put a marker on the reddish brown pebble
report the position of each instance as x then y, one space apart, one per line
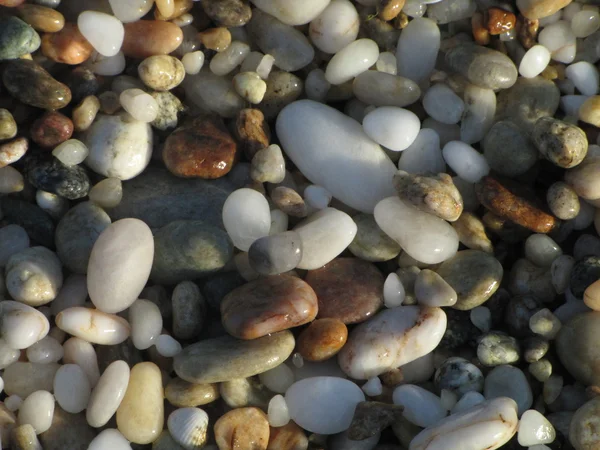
150 37
181 7
322 339
267 305
348 289
201 149
68 46
217 39
502 202
51 129
500 21
242 429
289 201
42 18
288 437
480 33
251 131
389 9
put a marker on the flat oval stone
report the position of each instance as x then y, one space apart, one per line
384 89
246 217
226 358
275 254
17 38
120 265
108 394
42 18
576 349
33 85
306 129
474 275
322 339
267 305
94 326
49 174
183 394
390 339
145 38
348 289
72 388
140 416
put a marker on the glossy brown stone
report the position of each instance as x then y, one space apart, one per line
183 394
242 428
348 289
150 37
288 437
51 129
389 9
251 131
202 149
322 339
42 18
180 8
500 21
68 46
504 203
267 305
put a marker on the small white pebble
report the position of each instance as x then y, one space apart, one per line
141 105
297 360
584 76
535 60
387 63
53 204
317 196
13 402
265 66
167 346
545 324
373 387
467 162
250 86
535 429
278 411
71 152
393 291
449 399
481 317
107 193
193 62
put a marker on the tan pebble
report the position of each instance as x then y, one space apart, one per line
289 201
563 201
217 39
11 180
183 394
8 126
165 7
389 9
23 437
109 102
242 429
591 296
322 339
589 112
480 32
161 72
68 46
250 86
527 31
140 417
538 9
23 378
251 131
471 233
150 37
288 437
85 113
585 179
13 151
42 18
175 7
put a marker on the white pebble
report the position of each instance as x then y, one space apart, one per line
279 222
441 103
373 387
418 48
103 31
193 62
8 355
278 413
13 239
71 152
584 76
11 180
393 291
278 379
481 317
108 394
141 105
467 162
53 204
246 217
250 86
227 60
317 196
80 352
37 410
584 23
167 346
72 388
509 381
47 350
421 407
93 325
107 66
146 323
387 63
448 399
534 61
535 429
22 325
351 61
424 154
336 27
316 85
130 10
109 439
560 40
13 402
107 193
394 128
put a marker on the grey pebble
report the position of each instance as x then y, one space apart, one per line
166 442
158 295
507 149
518 311
527 278
276 254
586 245
451 10
509 381
561 143
562 201
219 285
189 310
459 376
460 330
497 348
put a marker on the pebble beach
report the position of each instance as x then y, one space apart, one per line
299 224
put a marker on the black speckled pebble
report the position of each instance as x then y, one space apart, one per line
584 273
49 174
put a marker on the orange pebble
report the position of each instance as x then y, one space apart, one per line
68 46
591 296
322 339
500 21
150 37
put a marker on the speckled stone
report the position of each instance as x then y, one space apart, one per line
37 223
51 129
497 348
370 242
49 174
322 339
227 13
188 250
183 394
161 72
561 143
189 310
169 108
251 131
17 38
348 289
371 418
577 347
508 150
8 126
519 310
67 431
583 433
584 273
562 201
459 376
282 89
28 82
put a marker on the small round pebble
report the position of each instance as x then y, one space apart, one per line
458 375
495 349
562 201
161 72
322 339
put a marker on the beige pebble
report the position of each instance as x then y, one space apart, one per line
585 179
471 232
85 113
563 201
13 151
11 180
8 126
288 437
108 394
589 112
250 86
432 290
242 429
584 424
161 72
37 410
184 394
107 193
217 39
23 437
591 296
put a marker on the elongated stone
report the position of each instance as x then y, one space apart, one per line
108 394
418 48
93 325
384 89
307 129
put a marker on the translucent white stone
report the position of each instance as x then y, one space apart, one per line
108 394
250 86
141 105
325 234
316 86
119 265
167 346
373 387
103 31
423 236
441 103
424 154
535 60
71 152
278 379
297 360
278 413
37 410
246 217
509 381
47 350
585 22
279 222
332 150
93 325
72 388
560 40
323 405
53 204
467 162
317 196
570 104
13 240
227 60
130 10
109 439
387 63
107 193
393 291
22 325
541 250
336 27
584 76
82 353
481 317
352 60
535 429
480 108
418 48
394 128
8 355
146 323
107 65
414 8
292 13
13 402
421 407
193 62
467 401
570 10
11 180
488 425
389 340
432 290
448 399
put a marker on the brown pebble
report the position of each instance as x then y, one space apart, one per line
242 429
389 9
348 289
202 149
480 32
183 394
12 151
217 39
400 21
527 31
41 18
322 339
51 129
502 202
68 46
150 37
228 13
500 21
288 437
11 3
289 201
471 233
251 131
85 113
181 7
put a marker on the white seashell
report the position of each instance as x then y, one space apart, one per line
108 394
167 346
109 439
46 350
93 325
72 388
37 410
188 427
146 323
22 325
82 353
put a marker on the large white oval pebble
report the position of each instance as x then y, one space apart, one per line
467 162
103 31
22 325
246 217
421 407
393 127
146 323
351 61
332 150
425 237
37 410
93 325
325 235
80 352
418 48
120 265
488 425
323 405
291 12
335 27
108 394
109 439
72 388
390 339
